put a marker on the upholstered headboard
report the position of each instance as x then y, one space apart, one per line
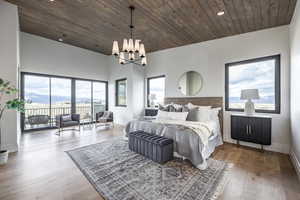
214 102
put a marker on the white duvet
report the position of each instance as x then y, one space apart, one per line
202 129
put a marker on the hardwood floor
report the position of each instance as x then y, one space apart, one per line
41 170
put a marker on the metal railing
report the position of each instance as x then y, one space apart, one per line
53 112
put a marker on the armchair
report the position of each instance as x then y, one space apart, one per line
63 121
105 118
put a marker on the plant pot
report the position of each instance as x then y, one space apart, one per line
3 157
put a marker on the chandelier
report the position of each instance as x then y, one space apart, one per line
133 51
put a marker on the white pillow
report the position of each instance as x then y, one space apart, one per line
203 114
214 114
163 115
180 116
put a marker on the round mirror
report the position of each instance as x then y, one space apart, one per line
190 83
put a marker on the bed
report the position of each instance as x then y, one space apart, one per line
194 141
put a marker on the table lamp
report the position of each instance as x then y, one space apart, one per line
152 98
248 95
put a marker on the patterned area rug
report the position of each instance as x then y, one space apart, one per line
118 174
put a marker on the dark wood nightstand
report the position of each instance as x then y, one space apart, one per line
256 129
151 112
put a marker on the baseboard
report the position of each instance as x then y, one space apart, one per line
295 162
275 147
11 147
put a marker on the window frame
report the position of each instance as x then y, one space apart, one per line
148 86
117 93
277 59
73 94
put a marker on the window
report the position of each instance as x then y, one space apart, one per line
262 74
61 98
48 96
121 92
83 98
155 90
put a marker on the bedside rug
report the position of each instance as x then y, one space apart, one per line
118 174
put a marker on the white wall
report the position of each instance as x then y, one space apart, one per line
209 58
41 55
135 90
295 86
9 61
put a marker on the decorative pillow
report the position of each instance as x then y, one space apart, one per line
200 114
164 107
185 109
175 108
192 116
66 118
196 113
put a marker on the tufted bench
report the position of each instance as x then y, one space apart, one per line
154 147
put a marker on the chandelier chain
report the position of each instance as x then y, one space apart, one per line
131 21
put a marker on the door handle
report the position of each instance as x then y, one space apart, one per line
247 129
250 130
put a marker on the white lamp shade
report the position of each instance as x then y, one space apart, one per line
125 45
115 50
130 45
249 94
142 51
121 58
144 61
131 56
137 46
152 97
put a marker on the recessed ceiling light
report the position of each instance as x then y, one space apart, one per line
60 39
220 13
51 0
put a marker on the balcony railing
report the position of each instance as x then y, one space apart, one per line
45 117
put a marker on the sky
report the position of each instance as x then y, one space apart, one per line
37 88
157 86
259 75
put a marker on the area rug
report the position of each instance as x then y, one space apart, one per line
120 174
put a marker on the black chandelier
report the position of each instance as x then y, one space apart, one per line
133 50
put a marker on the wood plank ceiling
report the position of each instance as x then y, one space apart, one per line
160 24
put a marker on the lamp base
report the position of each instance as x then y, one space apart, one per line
249 107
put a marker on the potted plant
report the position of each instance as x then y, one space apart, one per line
7 103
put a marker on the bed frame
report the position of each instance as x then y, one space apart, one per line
214 102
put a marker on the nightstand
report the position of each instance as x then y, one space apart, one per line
255 129
151 112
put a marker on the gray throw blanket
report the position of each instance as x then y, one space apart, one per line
187 142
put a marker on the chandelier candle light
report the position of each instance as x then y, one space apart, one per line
133 51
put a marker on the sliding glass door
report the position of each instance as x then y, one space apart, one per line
48 96
37 106
99 98
61 90
83 96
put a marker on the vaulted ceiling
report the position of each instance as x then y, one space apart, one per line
160 24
